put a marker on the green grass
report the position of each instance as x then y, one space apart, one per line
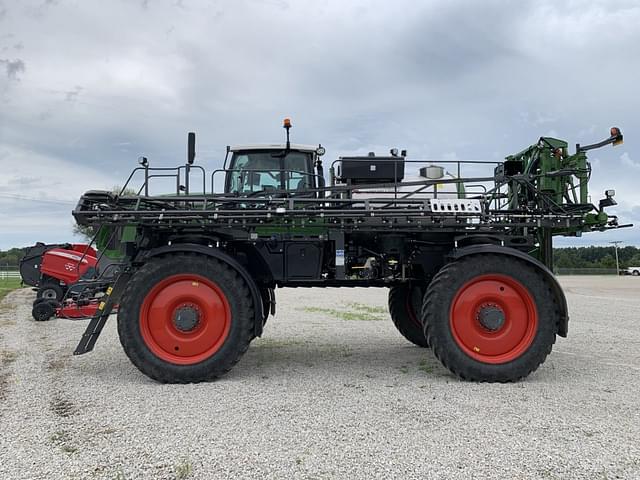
7 357
59 436
425 367
183 469
7 285
368 308
63 440
356 311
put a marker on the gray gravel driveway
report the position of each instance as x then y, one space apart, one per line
330 391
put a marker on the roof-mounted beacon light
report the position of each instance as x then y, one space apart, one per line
144 161
286 124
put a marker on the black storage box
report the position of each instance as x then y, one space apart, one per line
371 169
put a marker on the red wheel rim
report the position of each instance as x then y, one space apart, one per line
493 318
185 319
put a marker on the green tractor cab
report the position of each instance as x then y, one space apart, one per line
256 170
264 169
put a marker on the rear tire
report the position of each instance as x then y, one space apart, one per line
405 304
185 318
635 273
490 318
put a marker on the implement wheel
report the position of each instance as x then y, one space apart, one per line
405 304
44 309
185 318
50 291
490 317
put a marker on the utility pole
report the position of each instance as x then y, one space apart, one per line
615 244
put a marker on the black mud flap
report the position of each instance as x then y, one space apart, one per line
91 334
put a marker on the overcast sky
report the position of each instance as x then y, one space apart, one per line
87 86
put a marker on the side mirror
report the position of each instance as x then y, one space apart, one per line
191 148
615 138
616 134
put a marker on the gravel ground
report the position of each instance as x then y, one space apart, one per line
330 391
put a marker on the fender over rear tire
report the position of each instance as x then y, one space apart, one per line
405 305
185 318
490 317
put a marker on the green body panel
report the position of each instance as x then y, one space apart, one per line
595 219
312 227
111 245
291 229
547 160
551 185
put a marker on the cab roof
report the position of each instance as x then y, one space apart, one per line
274 146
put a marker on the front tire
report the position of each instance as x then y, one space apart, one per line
185 319
490 317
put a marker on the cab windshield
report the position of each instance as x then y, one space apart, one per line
263 171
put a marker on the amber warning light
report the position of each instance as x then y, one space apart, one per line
617 134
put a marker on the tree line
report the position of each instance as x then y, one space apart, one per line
11 257
595 257
571 257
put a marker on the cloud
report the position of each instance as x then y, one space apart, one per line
107 82
37 194
72 95
13 67
628 162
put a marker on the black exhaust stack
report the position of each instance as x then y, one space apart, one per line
191 156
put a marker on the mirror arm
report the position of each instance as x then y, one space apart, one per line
616 138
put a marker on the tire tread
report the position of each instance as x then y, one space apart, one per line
400 317
166 372
470 369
